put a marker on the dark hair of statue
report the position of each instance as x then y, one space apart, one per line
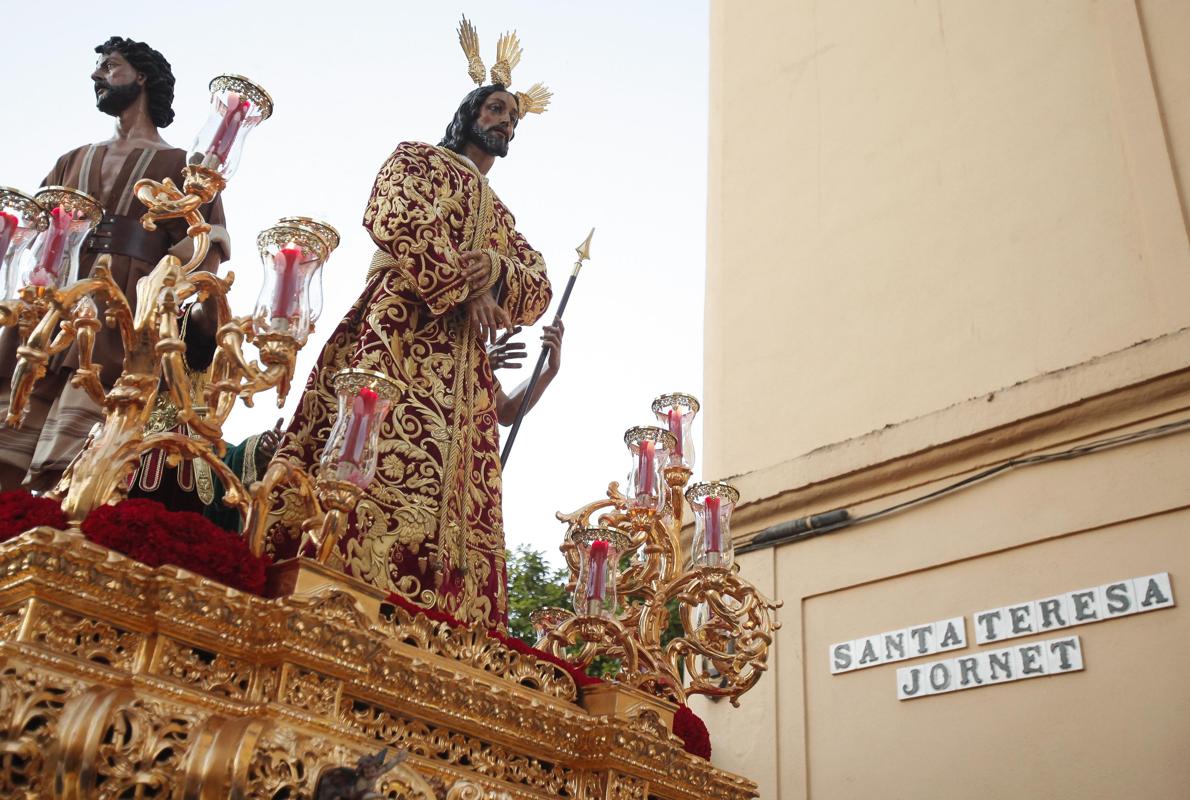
459 129
159 76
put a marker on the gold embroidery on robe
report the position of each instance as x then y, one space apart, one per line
429 526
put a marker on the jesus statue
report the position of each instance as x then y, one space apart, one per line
450 270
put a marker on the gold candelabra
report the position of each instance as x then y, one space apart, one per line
629 570
52 313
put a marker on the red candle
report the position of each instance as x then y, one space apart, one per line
289 281
45 273
714 532
645 469
675 427
225 135
8 227
359 426
597 579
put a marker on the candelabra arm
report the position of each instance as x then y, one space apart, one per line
334 522
339 499
99 473
235 375
165 201
597 636
171 350
201 242
728 628
614 518
86 377
640 578
280 473
32 358
63 337
234 493
101 285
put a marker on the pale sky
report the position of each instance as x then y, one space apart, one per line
622 148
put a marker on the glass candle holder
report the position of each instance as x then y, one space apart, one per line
292 256
675 412
599 555
713 503
237 106
70 216
546 619
21 220
328 234
364 399
649 448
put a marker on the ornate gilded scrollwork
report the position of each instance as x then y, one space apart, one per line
118 680
727 623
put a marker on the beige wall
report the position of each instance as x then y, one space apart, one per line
915 203
1117 729
943 235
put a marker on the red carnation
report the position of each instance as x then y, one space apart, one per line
693 732
21 511
148 532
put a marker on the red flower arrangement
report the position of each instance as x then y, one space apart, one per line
581 678
20 511
148 532
688 727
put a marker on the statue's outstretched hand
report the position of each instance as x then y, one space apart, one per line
505 354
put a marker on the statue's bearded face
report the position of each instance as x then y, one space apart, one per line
117 84
495 125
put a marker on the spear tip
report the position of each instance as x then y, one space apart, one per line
584 249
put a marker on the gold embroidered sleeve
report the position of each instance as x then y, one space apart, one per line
524 287
411 214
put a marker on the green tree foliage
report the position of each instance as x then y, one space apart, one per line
532 584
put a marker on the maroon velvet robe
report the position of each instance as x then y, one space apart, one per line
429 526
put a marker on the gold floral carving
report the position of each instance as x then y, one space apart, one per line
203 669
117 680
92 640
473 645
307 689
30 706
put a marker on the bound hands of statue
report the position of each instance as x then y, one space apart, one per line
505 354
485 313
477 267
487 316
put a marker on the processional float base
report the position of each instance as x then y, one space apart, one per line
118 679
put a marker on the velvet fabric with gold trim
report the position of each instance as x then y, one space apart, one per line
429 527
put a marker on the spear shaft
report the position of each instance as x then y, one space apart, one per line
584 253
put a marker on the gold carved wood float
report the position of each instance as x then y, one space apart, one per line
120 680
